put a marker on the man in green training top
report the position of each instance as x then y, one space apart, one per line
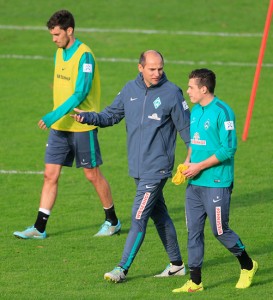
211 174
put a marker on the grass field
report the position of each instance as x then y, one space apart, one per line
218 34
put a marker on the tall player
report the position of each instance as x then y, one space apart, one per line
76 84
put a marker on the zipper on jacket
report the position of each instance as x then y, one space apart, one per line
141 123
203 111
143 107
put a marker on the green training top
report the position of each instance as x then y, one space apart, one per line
213 131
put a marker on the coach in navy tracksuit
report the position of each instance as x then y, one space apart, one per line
154 110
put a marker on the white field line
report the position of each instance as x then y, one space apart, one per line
135 61
21 172
141 31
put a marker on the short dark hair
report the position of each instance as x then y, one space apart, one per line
62 18
142 58
205 78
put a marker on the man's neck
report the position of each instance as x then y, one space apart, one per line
206 100
71 42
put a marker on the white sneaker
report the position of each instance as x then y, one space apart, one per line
30 233
117 275
172 270
107 229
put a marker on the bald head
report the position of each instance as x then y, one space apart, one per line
149 54
151 65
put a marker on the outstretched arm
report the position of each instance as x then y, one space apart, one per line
110 116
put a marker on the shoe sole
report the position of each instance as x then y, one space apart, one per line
159 276
108 278
28 238
178 273
188 291
102 235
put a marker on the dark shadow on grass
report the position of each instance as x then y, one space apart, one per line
83 228
254 252
234 278
264 271
247 200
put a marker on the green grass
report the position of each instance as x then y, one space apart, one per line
70 263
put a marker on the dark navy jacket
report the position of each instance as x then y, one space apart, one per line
153 117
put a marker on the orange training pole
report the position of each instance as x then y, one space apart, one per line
258 70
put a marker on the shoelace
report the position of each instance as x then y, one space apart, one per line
117 270
105 225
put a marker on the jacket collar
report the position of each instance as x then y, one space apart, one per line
141 83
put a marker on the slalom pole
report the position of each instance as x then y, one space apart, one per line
258 71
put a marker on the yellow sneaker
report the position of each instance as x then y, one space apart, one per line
246 276
190 287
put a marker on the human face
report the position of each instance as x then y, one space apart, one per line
62 38
153 69
197 94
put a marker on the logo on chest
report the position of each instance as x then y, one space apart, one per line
157 102
207 124
197 141
154 116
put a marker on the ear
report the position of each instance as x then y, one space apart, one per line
70 31
204 89
140 68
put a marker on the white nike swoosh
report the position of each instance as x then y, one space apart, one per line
173 273
150 186
133 99
216 200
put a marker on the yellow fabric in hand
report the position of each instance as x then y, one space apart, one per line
179 177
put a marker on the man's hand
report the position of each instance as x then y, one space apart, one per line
193 170
42 125
77 117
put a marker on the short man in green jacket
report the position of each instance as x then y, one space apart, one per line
211 174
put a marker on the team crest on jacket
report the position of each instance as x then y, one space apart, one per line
207 124
157 102
185 105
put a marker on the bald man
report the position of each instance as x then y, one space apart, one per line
154 110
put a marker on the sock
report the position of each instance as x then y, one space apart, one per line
177 263
245 261
124 270
110 215
195 275
41 220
